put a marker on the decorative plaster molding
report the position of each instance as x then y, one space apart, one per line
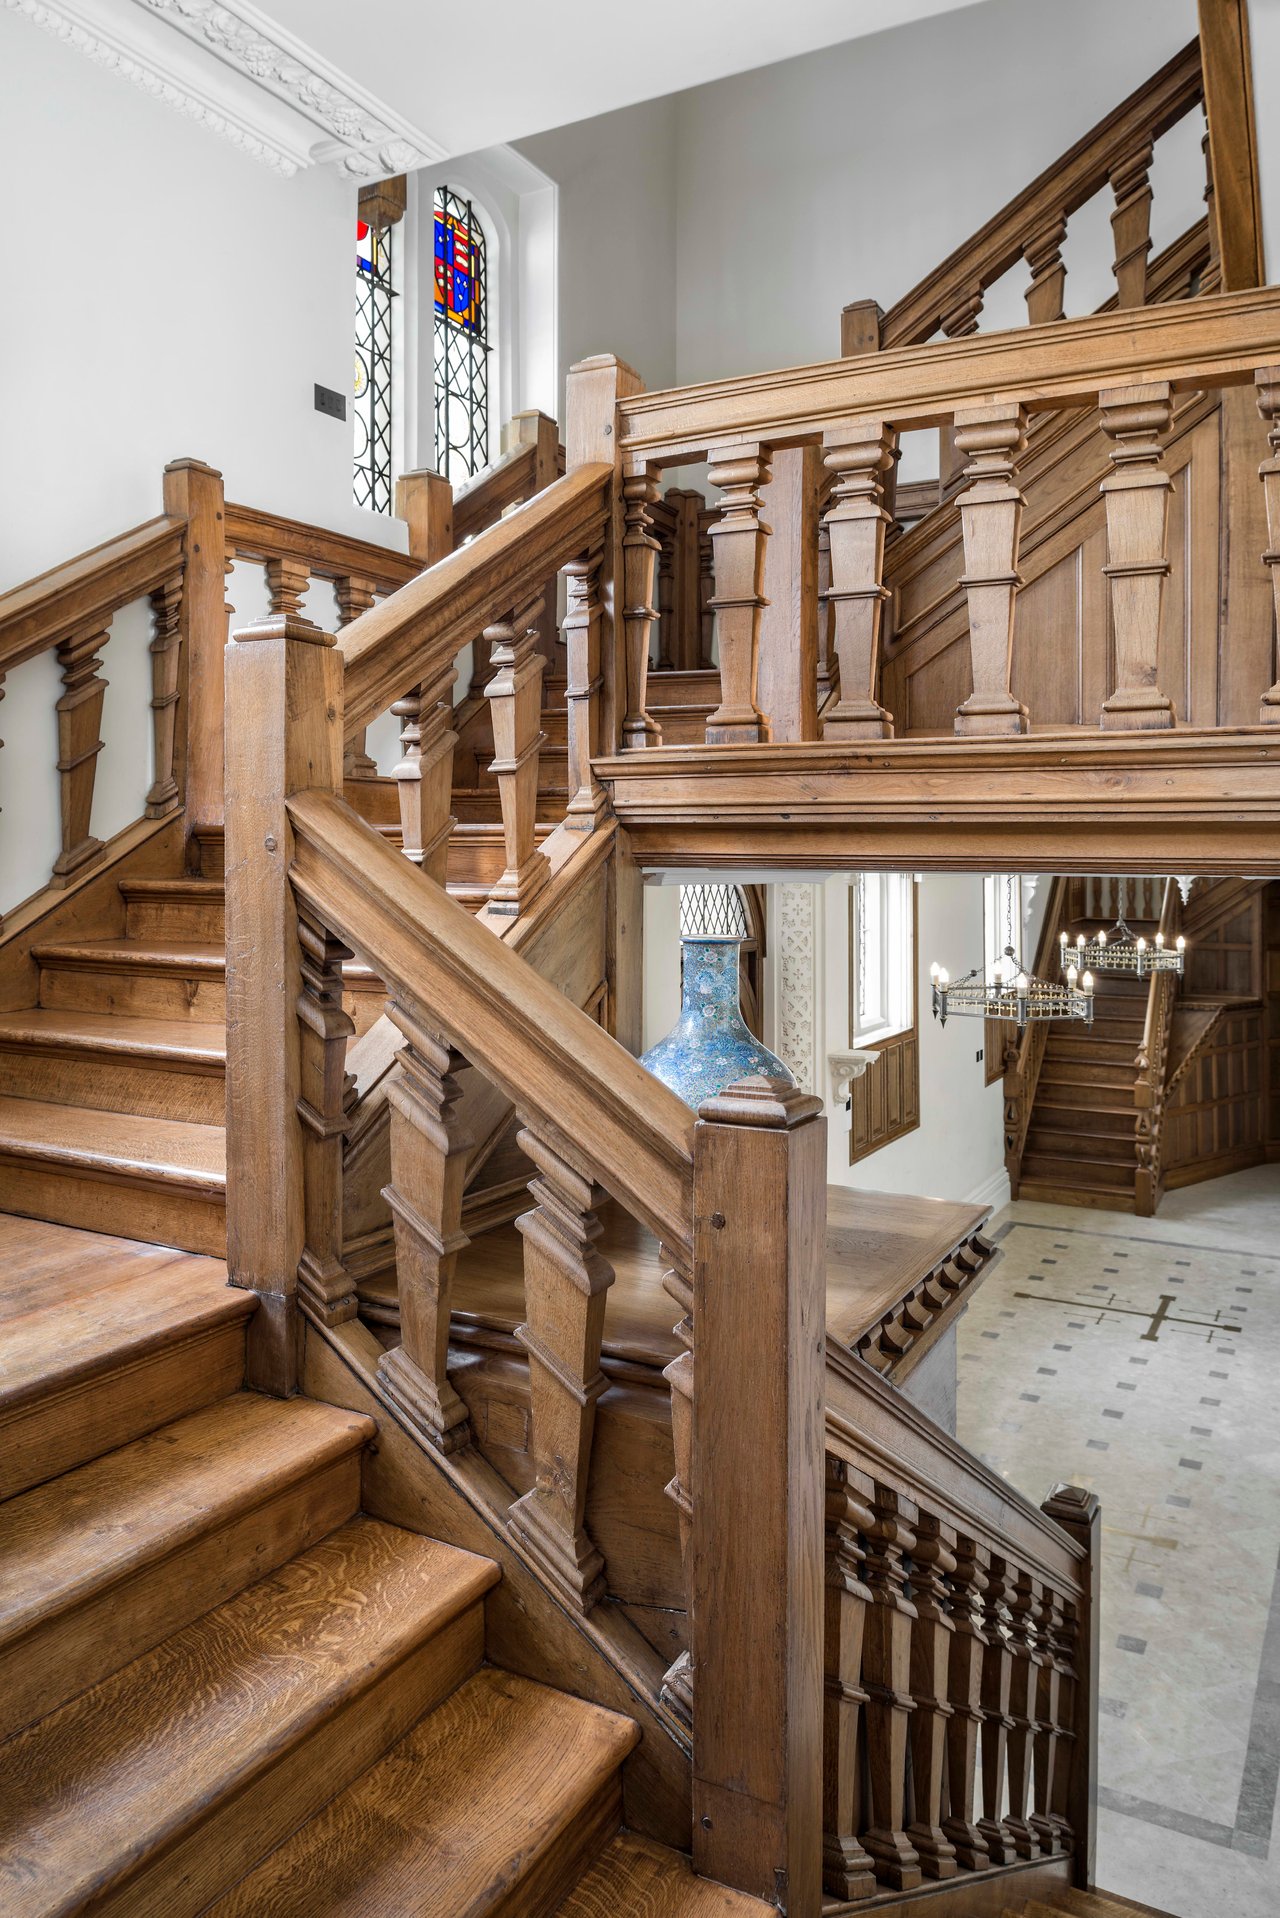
797 982
106 49
367 140
845 1067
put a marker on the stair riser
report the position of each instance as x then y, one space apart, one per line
65 1429
73 1078
71 1650
539 1890
1060 1192
181 919
124 1207
138 990
237 1826
1079 1072
1064 1116
1061 1171
1045 1142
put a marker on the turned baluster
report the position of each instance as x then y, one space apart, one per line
738 536
424 776
997 1676
847 1870
887 1668
166 653
1048 1734
79 713
677 1685
933 1559
355 596
429 1152
856 523
515 696
565 1287
828 671
1023 1692
1131 224
991 437
1267 383
287 583
686 508
323 1279
665 662
1211 277
1065 1754
964 1689
1075 1777
958 321
639 561
1135 418
587 803
1042 252
706 586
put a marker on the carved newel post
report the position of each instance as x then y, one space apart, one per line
992 437
1135 419
857 455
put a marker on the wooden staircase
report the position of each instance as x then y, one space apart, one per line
1080 1142
224 1688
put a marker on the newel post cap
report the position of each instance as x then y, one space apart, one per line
282 626
759 1101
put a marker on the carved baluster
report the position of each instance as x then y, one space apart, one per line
964 1689
738 536
1048 1721
856 523
515 696
1267 382
887 1665
79 742
287 583
424 776
1131 224
587 803
323 1279
565 1287
1137 491
1211 277
961 317
997 1676
933 1559
1042 252
688 507
666 603
706 585
165 649
428 1167
639 559
677 1685
1075 1779
1067 1652
991 518
847 1870
828 672
1024 1687
355 596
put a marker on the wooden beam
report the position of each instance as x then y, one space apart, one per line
1233 141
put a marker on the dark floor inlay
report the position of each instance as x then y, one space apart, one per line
1146 1590
1129 1644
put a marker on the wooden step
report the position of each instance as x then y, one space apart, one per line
153 1793
85 1374
1073 1190
1095 1113
1092 1046
1092 1171
1090 1904
490 1808
1087 1072
636 1878
99 1565
1083 1141
164 979
173 1068
181 909
162 1180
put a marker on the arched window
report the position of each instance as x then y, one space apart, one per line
375 294
461 338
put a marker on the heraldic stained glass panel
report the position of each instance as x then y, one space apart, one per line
461 345
375 293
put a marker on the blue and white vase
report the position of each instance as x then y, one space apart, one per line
710 1046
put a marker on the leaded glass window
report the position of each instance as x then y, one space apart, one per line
375 294
462 346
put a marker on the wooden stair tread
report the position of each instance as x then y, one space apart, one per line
72 1342
123 1144
43 1265
78 1534
456 1818
107 1783
117 1035
636 1878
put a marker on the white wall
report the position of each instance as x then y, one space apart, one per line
165 295
1264 34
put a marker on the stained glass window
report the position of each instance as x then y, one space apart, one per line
462 347
375 293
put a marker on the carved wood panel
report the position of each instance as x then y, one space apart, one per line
1216 1118
886 1099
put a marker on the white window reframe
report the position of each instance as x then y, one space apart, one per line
882 958
1001 916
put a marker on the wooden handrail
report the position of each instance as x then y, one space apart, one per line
543 1054
424 625
43 611
255 534
1215 341
1061 189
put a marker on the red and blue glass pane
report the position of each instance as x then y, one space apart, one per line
457 288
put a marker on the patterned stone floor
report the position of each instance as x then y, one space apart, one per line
1141 1357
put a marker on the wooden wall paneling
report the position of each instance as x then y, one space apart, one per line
1233 141
886 1099
193 493
1246 661
787 681
1047 659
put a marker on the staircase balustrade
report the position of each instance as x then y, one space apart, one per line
1149 1090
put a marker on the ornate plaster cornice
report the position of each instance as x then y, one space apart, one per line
365 139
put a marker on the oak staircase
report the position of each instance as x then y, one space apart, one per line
1079 1146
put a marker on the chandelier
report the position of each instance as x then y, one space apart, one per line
1119 949
1010 992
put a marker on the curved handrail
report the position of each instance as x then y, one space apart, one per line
37 614
423 627
551 1060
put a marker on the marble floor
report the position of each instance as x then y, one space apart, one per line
1141 1357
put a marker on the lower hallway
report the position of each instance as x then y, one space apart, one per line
1139 1357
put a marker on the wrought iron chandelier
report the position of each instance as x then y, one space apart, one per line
1010 992
1120 949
